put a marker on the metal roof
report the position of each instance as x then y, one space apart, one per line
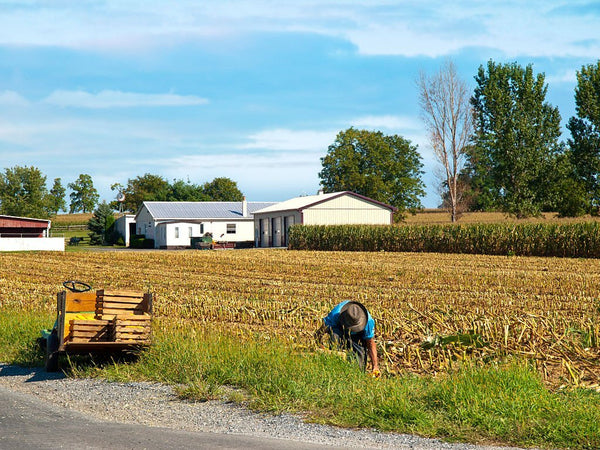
300 203
202 210
26 219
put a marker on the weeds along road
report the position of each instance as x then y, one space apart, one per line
50 411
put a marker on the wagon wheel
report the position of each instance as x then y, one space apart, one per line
76 286
52 352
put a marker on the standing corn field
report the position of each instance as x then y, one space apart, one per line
575 240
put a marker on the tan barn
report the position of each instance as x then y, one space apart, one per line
271 224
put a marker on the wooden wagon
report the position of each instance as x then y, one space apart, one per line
101 321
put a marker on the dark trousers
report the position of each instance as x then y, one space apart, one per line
346 341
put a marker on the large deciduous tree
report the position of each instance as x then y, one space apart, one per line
145 188
585 133
186 191
84 195
56 197
446 110
23 192
385 168
155 188
516 138
222 189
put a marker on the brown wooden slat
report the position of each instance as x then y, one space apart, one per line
90 330
137 317
130 306
132 335
103 346
130 331
136 300
109 317
130 324
89 335
102 312
124 293
95 322
86 340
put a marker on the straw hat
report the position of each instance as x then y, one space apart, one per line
353 316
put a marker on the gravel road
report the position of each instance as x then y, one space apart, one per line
156 405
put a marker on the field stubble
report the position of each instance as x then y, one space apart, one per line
432 311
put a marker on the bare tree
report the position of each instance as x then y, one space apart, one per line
444 99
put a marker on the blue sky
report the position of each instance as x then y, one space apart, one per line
252 90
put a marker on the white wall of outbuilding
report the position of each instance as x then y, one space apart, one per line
271 228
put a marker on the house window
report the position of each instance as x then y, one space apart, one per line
231 228
190 231
176 232
201 229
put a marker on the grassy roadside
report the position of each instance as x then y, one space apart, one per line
502 403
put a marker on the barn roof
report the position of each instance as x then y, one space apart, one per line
12 221
300 203
202 210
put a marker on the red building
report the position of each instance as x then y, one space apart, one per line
11 226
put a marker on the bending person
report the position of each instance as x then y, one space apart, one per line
351 327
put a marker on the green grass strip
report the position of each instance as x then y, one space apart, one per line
497 403
19 331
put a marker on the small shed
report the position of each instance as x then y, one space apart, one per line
125 227
271 224
26 233
23 227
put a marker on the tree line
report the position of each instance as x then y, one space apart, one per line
24 193
498 147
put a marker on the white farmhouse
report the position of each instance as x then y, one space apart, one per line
271 224
174 224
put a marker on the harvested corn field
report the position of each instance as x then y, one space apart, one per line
432 311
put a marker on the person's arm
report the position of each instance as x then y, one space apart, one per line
372 352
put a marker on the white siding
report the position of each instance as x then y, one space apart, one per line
270 227
144 223
347 210
166 232
244 230
10 244
122 227
177 234
274 229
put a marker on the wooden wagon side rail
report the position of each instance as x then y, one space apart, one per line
103 319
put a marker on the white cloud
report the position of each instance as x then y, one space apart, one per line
379 27
118 99
12 98
285 140
268 176
388 122
567 76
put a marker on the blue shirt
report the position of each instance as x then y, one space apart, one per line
333 321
